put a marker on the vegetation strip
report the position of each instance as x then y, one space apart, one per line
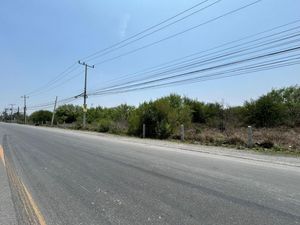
274 117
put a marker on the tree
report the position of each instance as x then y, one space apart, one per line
278 107
290 98
197 110
161 117
265 112
68 113
42 116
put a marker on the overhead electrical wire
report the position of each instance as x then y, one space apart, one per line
281 38
185 70
220 66
67 71
49 104
58 78
178 33
213 57
125 42
58 85
164 65
259 44
214 76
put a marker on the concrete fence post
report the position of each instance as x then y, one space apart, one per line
250 137
182 132
144 130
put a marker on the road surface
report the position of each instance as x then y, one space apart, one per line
63 177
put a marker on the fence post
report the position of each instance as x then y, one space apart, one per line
182 132
250 137
144 130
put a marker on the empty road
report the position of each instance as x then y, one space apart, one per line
66 177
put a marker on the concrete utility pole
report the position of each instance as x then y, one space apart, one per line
52 120
250 137
6 109
144 130
11 111
84 91
182 132
25 108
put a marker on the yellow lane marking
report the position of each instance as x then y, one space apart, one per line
31 209
37 212
2 155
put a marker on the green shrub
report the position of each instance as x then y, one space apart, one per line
42 116
161 117
104 125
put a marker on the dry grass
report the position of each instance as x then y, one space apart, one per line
283 138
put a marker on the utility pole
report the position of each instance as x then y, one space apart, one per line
84 91
6 115
24 97
11 111
52 120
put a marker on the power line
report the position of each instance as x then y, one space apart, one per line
155 31
74 98
50 88
179 33
64 73
214 76
217 58
164 65
60 76
220 66
113 47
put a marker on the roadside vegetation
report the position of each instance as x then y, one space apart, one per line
275 118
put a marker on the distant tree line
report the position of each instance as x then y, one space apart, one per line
163 116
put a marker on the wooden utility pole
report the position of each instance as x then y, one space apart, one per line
84 91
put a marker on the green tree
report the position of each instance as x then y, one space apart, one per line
42 116
197 110
290 98
161 117
68 113
265 112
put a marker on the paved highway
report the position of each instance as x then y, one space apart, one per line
63 177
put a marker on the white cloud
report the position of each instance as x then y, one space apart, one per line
124 25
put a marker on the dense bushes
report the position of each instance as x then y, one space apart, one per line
279 107
42 116
161 117
68 113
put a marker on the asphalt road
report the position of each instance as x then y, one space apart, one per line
76 178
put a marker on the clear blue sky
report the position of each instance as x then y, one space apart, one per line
39 39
